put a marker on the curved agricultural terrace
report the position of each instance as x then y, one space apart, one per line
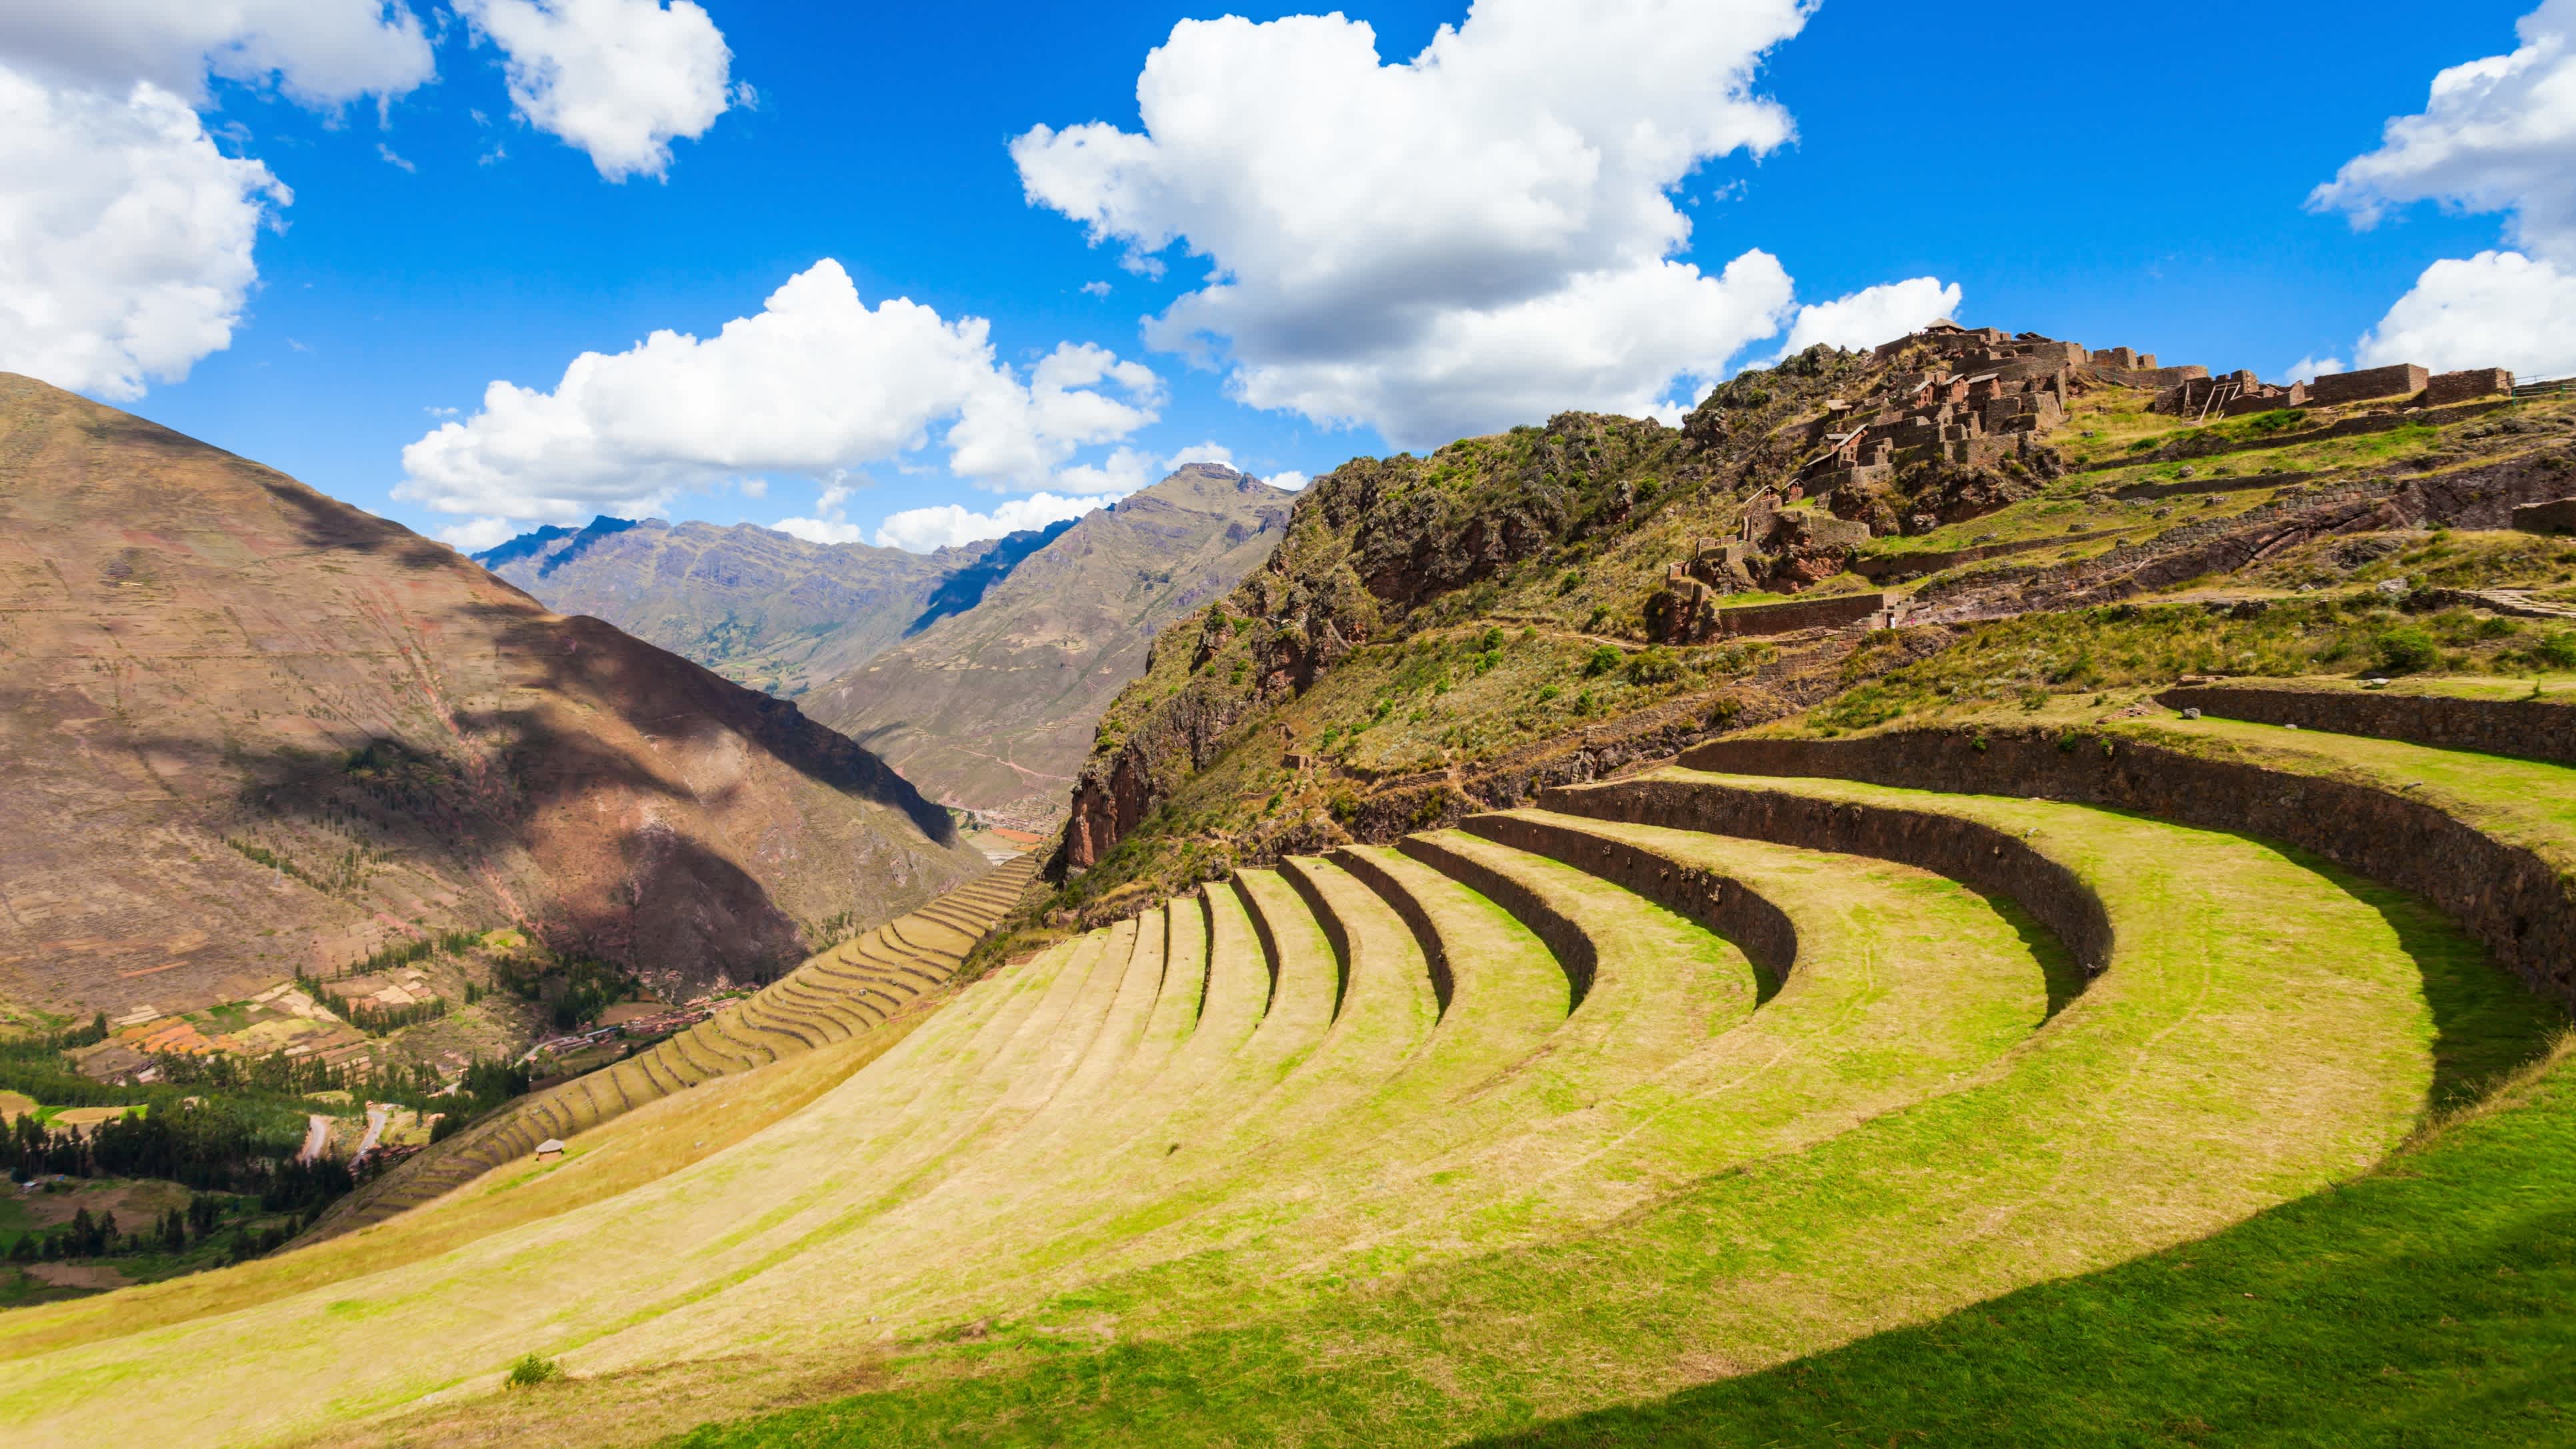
1680 1080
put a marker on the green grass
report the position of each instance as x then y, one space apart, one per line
1049 1214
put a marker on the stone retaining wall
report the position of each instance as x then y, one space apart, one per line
1569 943
2511 900
1725 906
2530 729
1875 567
1797 614
1435 951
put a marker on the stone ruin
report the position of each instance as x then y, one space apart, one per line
1976 398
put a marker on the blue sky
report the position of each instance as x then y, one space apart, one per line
2107 175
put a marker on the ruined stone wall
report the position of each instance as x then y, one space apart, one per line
2530 729
2403 380
1796 614
2445 388
2511 900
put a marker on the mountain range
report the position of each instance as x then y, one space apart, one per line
978 672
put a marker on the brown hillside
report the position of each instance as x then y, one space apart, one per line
996 704
250 728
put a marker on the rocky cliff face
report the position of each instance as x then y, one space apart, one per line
995 703
249 729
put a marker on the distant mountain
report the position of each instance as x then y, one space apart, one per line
245 728
996 703
983 668
763 608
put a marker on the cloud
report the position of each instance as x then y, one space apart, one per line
390 159
1873 315
1088 486
125 236
477 534
2496 309
321 53
618 79
1292 480
828 525
2307 369
1477 237
817 381
946 525
2497 134
1096 289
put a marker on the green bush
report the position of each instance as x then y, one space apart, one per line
1654 666
2408 649
531 1370
2557 649
1600 661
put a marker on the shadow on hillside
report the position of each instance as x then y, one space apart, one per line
2418 1307
2066 980
660 694
654 898
2486 1022
966 588
325 522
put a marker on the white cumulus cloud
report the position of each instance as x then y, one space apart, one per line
2308 369
815 382
945 525
1873 315
477 534
619 79
125 236
1480 236
1291 480
2496 135
2496 309
320 52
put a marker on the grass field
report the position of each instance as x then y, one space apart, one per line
1471 1139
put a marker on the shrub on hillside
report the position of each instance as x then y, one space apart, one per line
1654 666
531 1370
2408 649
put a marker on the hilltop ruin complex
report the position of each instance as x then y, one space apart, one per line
1969 411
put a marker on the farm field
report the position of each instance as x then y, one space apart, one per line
1625 1110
